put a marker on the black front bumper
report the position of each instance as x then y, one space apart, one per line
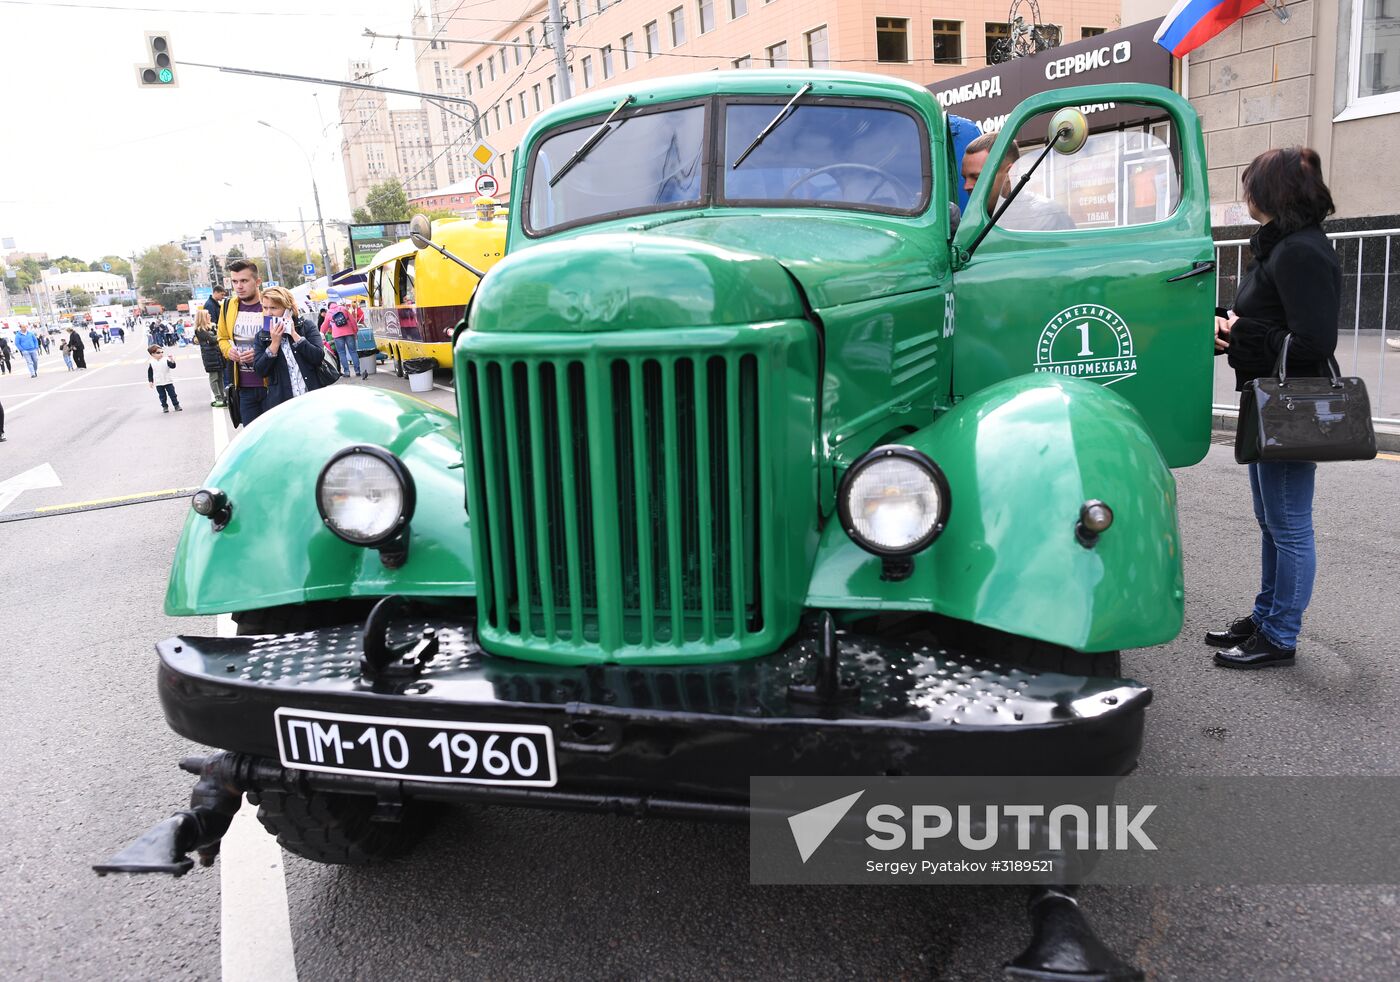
682 740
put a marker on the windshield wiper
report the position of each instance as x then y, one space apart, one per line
772 125
590 143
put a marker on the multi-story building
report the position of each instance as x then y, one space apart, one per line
448 123
512 77
249 238
367 138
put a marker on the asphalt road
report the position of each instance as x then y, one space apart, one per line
515 894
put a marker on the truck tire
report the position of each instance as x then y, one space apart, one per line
336 829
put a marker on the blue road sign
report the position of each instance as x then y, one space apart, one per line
106 267
309 269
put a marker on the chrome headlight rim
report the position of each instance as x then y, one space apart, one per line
919 459
399 470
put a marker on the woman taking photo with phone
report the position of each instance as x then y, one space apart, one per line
1293 289
288 350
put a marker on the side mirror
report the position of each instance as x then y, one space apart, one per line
420 230
1068 131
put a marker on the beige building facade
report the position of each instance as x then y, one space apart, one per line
1328 77
511 75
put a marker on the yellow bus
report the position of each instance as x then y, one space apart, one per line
417 296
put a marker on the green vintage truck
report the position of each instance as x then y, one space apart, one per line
768 459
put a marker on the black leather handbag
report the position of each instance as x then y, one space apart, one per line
1318 419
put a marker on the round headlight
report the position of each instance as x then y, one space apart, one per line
893 501
365 495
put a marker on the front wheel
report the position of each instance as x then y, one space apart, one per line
338 829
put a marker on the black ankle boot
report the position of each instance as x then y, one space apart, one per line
1257 652
1237 633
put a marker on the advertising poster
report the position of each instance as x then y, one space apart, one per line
366 240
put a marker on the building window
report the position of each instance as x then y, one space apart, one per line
629 52
706 11
677 17
744 62
998 36
530 39
738 8
498 117
587 71
535 91
947 42
480 76
1373 66
1091 32
517 51
777 55
510 113
818 54
522 105
553 91
892 38
607 61
653 36
469 83
491 68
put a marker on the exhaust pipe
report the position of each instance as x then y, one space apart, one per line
165 847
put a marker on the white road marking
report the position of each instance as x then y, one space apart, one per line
33 479
62 385
255 935
119 385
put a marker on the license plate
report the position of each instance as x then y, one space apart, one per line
417 749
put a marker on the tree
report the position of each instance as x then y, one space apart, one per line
120 267
235 253
436 213
78 298
163 275
386 202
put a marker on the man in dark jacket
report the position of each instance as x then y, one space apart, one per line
4 356
215 301
213 360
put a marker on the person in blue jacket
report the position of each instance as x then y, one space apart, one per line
28 346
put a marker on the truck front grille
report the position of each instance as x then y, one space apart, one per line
616 503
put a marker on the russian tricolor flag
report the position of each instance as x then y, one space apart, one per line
1191 23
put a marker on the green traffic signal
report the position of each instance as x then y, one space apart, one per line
166 75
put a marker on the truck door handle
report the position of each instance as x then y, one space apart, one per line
1197 268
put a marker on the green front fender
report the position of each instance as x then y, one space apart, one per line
1022 456
276 550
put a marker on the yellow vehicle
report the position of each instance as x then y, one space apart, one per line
417 296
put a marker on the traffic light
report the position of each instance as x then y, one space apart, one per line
159 71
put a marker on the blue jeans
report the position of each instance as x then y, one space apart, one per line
1283 497
349 357
251 403
32 358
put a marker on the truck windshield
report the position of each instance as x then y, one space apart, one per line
846 156
649 161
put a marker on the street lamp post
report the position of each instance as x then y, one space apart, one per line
315 193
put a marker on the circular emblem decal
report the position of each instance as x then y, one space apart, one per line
1087 341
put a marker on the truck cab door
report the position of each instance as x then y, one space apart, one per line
1106 273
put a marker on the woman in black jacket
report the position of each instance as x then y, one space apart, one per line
1293 288
287 350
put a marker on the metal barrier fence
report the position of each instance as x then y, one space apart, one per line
1366 306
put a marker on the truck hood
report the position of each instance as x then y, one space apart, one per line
632 280
838 259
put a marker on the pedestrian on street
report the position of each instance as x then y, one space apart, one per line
341 321
210 355
2 422
1293 289
288 350
158 375
44 342
213 303
28 346
96 338
240 321
76 348
4 355
67 355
